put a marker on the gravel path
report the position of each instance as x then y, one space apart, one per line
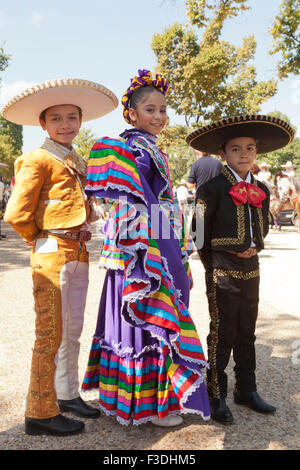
278 361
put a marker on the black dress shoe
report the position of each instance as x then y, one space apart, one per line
220 411
57 426
253 401
79 408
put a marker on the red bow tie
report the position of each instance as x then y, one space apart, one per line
245 192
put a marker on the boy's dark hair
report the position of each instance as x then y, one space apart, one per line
223 145
43 113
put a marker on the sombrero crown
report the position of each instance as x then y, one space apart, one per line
95 100
270 133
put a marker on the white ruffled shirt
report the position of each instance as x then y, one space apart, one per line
247 180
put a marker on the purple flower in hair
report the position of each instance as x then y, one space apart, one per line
143 79
143 72
161 83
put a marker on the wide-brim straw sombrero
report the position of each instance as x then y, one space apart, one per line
287 165
95 100
270 133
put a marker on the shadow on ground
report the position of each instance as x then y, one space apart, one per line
15 254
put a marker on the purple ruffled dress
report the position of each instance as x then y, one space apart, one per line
139 366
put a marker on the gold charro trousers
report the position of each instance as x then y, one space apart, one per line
60 282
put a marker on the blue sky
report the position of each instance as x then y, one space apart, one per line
108 41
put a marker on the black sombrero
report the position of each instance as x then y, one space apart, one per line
270 133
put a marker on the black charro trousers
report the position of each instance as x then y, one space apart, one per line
233 295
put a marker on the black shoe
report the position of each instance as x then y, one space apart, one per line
253 401
79 408
220 411
57 426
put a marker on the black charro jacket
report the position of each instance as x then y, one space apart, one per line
227 226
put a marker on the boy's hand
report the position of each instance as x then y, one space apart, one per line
247 253
95 210
30 244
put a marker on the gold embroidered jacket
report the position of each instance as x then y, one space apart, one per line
227 226
48 192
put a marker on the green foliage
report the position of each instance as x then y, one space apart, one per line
180 156
209 78
14 132
84 142
279 157
11 135
7 155
4 59
289 153
286 38
198 14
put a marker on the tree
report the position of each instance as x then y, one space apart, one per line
286 38
198 14
209 77
7 149
84 142
279 157
180 156
7 156
15 132
4 59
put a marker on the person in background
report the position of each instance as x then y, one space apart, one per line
182 195
295 201
1 205
254 170
288 169
264 173
203 169
7 194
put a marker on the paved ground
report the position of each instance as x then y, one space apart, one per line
278 360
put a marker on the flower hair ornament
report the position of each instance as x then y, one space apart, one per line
144 78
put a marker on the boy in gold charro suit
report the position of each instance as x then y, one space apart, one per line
234 210
49 209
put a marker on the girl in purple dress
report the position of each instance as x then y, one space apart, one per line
146 358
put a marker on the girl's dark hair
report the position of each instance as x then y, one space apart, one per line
139 95
43 113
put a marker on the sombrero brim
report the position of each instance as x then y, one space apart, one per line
94 99
270 133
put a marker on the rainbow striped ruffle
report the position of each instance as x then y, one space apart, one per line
134 389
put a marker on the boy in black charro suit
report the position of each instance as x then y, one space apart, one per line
235 209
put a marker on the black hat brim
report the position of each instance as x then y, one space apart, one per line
270 133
